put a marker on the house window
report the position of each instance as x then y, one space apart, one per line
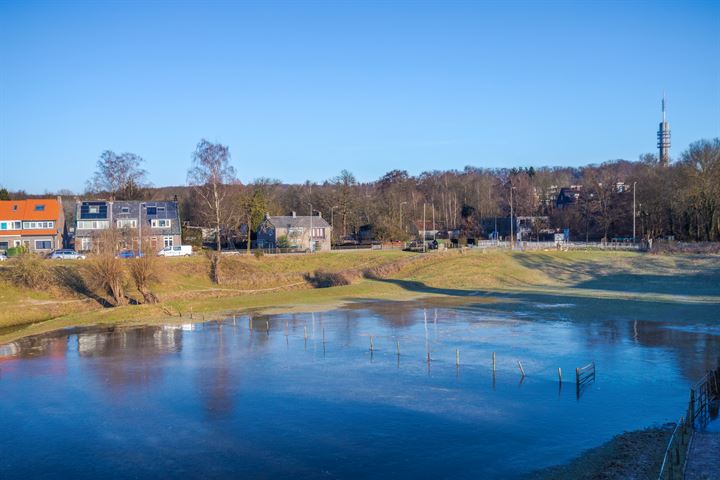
85 244
152 210
318 233
127 223
160 223
125 210
4 246
168 241
39 208
16 226
161 209
93 224
94 209
43 245
3 225
16 243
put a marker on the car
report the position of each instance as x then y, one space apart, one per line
176 251
128 254
66 254
2 257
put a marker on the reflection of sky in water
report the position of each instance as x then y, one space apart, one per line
218 400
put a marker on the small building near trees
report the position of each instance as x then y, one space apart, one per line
294 231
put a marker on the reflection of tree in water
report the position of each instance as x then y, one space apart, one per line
216 382
129 356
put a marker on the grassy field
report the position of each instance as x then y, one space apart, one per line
284 283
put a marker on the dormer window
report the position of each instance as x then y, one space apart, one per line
14 208
125 210
152 210
39 208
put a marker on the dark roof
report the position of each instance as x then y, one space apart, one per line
302 221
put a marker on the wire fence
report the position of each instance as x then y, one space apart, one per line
703 406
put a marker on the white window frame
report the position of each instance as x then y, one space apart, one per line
126 223
93 224
85 243
168 241
155 223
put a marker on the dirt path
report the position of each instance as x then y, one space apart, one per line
704 459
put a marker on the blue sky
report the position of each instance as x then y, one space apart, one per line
302 90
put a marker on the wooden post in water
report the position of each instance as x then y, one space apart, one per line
323 332
191 314
397 345
267 327
493 362
305 328
372 347
522 371
457 357
577 376
287 328
560 374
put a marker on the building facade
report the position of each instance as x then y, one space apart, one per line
154 222
298 232
36 224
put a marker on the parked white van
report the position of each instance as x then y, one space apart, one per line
176 251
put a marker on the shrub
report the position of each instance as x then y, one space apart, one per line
108 272
144 270
31 271
16 251
283 242
324 279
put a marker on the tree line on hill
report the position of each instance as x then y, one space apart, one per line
681 200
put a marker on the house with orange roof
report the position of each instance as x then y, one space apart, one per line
37 224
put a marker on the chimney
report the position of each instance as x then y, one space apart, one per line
294 214
319 214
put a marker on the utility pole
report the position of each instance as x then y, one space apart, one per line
512 227
424 235
634 215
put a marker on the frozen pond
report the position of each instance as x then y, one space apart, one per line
220 400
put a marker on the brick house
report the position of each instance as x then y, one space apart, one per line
156 222
37 224
302 232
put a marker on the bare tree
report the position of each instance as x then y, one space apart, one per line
120 176
210 176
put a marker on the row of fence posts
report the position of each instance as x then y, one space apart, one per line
583 375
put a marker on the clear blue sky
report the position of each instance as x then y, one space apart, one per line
302 91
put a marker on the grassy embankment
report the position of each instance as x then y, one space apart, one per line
285 283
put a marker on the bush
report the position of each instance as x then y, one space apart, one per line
108 272
325 279
144 270
31 271
258 253
16 251
283 242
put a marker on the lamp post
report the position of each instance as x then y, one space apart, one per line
634 214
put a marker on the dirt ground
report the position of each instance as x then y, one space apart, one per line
629 456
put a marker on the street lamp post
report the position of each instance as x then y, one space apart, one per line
634 214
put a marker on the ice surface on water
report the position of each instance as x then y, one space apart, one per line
220 399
